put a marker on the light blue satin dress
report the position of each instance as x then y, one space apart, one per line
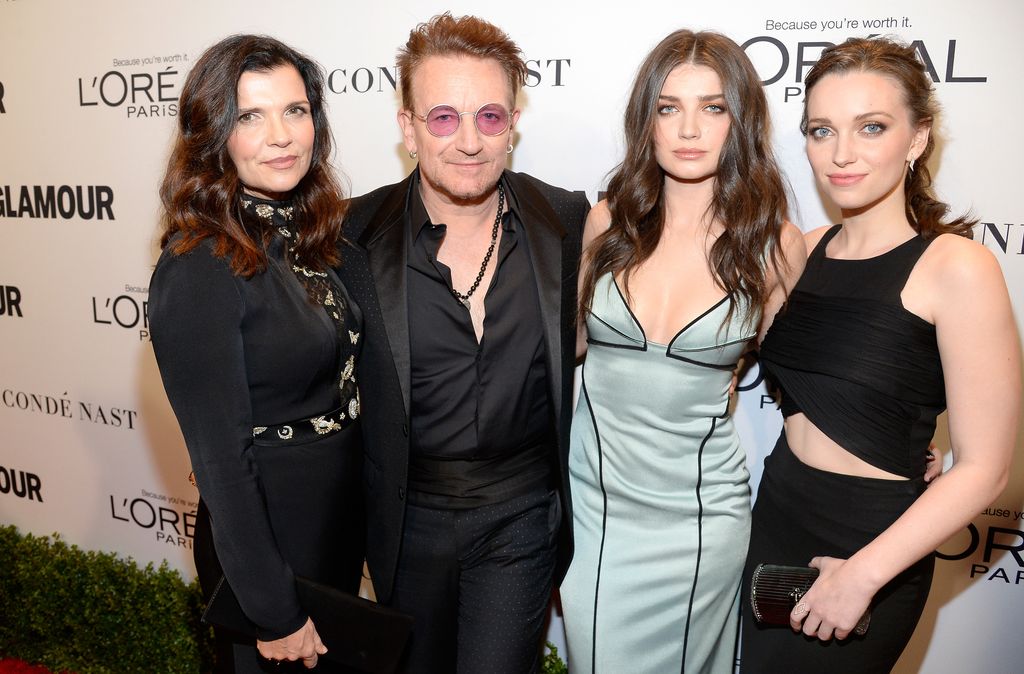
661 504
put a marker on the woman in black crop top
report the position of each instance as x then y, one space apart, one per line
256 340
877 338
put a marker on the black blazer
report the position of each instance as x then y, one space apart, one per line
374 270
235 353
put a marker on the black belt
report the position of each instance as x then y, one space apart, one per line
456 484
311 428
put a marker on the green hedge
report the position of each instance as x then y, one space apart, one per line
93 613
552 664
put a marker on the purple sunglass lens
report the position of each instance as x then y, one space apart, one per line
491 119
443 120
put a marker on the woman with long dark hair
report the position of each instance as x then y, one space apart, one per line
878 337
256 339
681 262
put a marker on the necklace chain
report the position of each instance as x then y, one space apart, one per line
464 298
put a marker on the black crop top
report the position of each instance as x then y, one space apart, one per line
863 369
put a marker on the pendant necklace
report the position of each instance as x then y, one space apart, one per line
464 299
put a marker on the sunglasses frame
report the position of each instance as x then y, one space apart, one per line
423 118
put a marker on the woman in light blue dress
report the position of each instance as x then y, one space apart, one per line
687 254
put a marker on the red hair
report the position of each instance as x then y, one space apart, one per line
445 35
900 64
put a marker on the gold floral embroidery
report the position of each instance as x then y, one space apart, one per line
321 289
307 272
323 425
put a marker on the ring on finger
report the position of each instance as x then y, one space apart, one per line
801 610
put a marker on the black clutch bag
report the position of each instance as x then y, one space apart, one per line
775 590
358 633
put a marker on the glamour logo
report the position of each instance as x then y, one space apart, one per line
140 93
21 484
766 48
171 526
380 79
64 407
10 301
124 311
1007 237
86 202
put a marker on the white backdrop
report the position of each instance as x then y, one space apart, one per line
88 96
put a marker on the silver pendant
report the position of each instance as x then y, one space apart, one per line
465 303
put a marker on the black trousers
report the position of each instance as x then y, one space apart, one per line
478 583
315 504
802 512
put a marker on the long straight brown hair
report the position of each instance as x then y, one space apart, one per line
201 187
900 64
749 194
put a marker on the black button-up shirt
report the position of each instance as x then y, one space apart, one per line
481 416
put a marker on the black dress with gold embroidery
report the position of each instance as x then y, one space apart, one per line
260 373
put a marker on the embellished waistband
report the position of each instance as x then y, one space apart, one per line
312 428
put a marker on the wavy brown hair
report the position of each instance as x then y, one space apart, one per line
749 194
900 64
200 190
445 35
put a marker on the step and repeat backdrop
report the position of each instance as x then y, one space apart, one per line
89 447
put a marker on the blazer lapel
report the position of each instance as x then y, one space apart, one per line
544 232
385 241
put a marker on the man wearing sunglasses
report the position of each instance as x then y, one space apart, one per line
466 276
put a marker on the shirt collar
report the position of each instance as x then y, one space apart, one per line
419 218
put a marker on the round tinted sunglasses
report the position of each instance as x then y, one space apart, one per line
443 120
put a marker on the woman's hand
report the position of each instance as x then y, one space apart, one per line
303 644
933 462
836 601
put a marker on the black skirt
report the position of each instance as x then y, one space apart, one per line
313 493
803 512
